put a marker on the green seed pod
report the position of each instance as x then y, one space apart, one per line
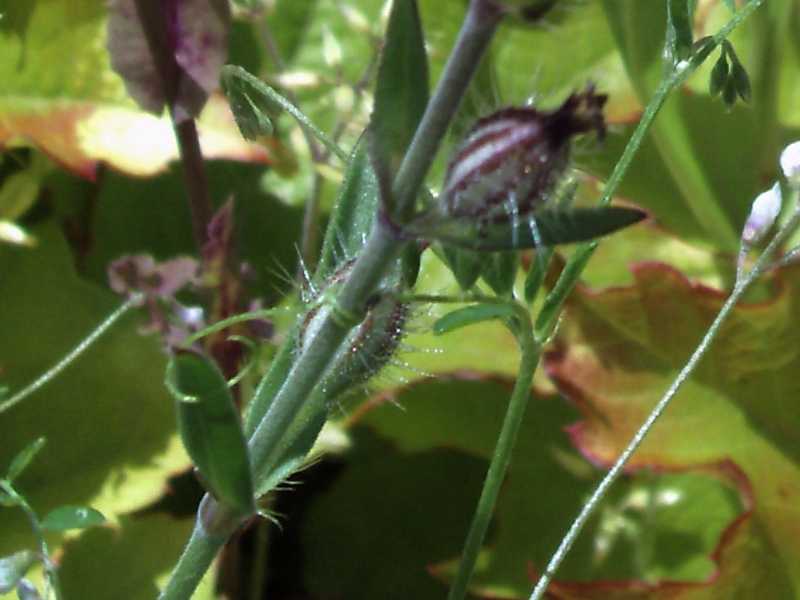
368 346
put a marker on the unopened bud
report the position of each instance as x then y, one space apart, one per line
511 160
766 208
790 163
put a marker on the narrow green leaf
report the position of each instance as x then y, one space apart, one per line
211 429
13 569
719 75
401 91
296 455
501 271
353 214
680 28
410 263
270 383
470 315
731 4
465 264
64 518
553 227
24 457
537 272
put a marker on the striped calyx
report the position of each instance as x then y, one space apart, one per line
511 160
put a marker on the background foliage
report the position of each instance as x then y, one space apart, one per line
711 506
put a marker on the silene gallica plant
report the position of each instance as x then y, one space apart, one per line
458 228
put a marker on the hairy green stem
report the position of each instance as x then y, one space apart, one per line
67 360
739 289
530 352
199 552
272 435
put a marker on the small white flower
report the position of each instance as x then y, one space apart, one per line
763 213
790 163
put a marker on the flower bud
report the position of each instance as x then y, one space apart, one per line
790 163
766 208
511 160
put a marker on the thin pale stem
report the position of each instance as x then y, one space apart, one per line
62 364
616 470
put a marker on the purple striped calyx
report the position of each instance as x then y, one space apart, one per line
511 160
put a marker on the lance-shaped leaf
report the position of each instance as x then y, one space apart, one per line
469 315
537 272
13 568
65 518
23 458
211 430
352 217
549 227
465 264
500 272
401 92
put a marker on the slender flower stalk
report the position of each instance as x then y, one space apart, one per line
71 356
530 352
